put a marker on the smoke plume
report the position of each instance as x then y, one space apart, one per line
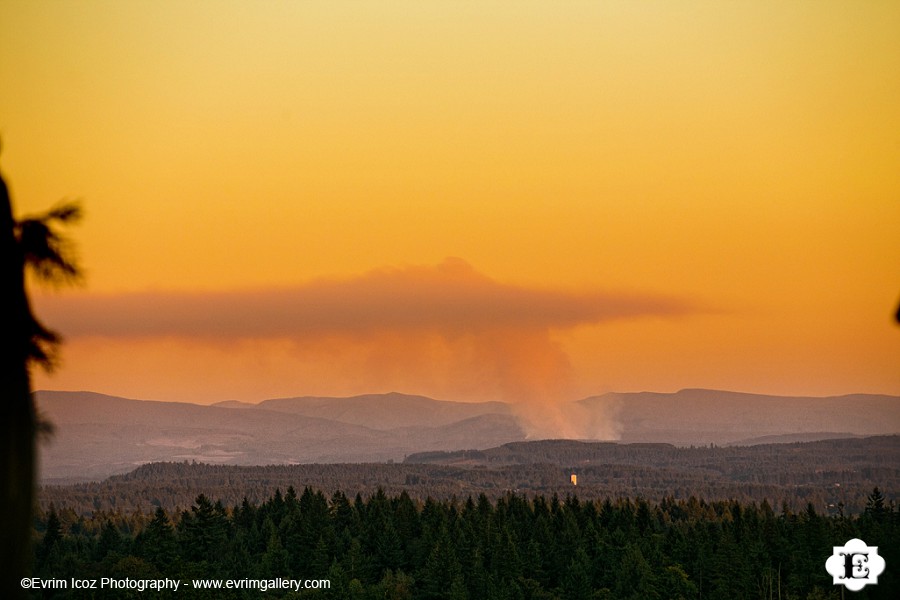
445 330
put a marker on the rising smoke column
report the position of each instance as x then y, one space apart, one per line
444 330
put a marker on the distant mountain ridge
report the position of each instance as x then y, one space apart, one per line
380 411
99 435
700 416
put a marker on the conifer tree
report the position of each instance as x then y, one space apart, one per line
158 540
34 243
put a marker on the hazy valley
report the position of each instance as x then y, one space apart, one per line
97 435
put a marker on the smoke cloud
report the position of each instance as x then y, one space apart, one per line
445 330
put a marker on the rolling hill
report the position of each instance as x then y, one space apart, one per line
698 416
380 411
98 435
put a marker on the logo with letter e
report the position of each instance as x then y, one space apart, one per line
855 565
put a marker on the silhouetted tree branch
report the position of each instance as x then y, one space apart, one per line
35 243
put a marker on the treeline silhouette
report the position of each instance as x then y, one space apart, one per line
394 546
837 452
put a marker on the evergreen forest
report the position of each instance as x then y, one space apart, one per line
515 547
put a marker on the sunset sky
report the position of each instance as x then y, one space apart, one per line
527 201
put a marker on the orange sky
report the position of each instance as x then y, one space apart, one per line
472 201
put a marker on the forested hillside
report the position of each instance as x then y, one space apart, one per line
394 546
832 475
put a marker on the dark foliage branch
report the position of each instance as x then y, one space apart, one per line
34 244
